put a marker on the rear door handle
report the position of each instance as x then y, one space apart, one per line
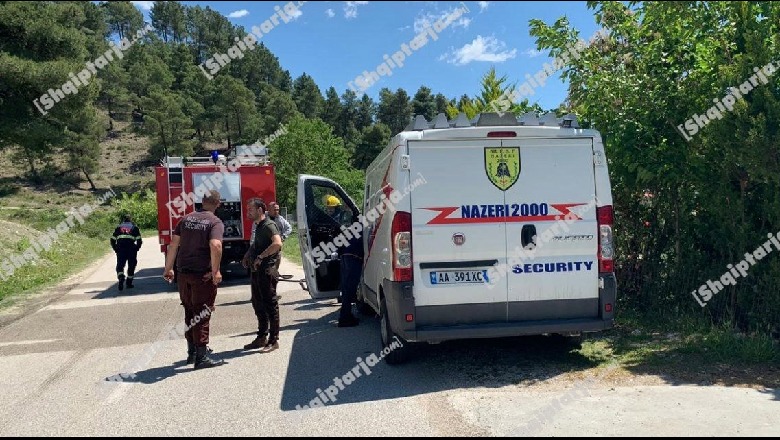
527 235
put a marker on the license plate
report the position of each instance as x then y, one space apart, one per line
458 277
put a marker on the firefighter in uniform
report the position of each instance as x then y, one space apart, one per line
126 243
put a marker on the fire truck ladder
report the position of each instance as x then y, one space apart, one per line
175 167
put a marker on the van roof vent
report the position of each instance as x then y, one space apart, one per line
548 120
462 121
441 121
529 118
494 119
419 122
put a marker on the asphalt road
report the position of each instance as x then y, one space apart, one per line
59 354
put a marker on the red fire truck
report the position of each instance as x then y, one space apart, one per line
180 181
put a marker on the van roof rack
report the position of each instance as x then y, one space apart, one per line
492 119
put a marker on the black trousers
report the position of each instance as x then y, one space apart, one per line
266 303
126 257
351 267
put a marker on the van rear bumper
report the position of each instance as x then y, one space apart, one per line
507 329
442 323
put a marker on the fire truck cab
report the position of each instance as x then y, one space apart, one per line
181 182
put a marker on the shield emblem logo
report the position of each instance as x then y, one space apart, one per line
502 165
458 238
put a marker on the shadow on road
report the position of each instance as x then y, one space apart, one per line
150 282
322 352
153 375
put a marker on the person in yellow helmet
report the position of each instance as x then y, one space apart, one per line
333 209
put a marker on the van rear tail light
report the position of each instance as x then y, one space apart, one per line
500 134
605 218
401 231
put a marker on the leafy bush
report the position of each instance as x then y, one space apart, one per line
99 224
142 209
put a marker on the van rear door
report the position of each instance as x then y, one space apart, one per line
454 241
560 280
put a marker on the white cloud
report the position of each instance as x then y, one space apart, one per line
533 53
146 6
238 14
481 49
350 9
429 18
463 21
296 14
483 6
330 13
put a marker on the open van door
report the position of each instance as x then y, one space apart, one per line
323 207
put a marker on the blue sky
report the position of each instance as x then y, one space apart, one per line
335 42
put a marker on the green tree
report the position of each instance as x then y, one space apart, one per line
366 113
165 121
373 140
123 18
170 20
146 70
349 113
394 109
235 111
277 108
331 112
82 146
494 90
424 103
310 147
307 96
49 41
113 90
709 199
441 103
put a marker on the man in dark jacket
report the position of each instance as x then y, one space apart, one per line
126 243
264 251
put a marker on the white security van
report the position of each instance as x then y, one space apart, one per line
498 226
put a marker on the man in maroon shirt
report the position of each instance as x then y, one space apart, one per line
198 240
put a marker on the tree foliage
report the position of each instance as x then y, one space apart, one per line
310 147
684 209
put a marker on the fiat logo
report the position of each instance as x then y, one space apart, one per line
458 239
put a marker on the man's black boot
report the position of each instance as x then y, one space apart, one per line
121 282
130 282
190 353
202 359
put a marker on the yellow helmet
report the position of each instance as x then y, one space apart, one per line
332 202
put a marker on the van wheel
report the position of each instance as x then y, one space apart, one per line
398 355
